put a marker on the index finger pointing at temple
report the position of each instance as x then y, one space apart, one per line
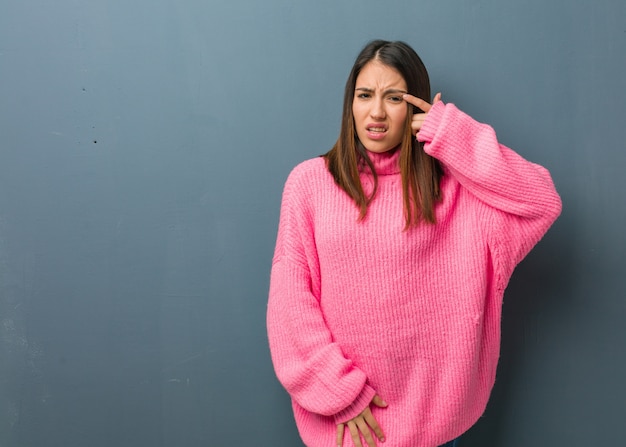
417 102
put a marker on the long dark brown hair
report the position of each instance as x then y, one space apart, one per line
420 172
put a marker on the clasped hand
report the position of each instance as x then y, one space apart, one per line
363 425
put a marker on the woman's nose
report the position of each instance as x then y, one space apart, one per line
378 110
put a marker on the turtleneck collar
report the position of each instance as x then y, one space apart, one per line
385 163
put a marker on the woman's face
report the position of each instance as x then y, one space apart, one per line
378 108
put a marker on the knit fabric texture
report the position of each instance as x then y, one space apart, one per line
358 308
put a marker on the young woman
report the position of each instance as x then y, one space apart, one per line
392 256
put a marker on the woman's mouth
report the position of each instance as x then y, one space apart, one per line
376 131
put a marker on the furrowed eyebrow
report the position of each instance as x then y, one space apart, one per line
386 92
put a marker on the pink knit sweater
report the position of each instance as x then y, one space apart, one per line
363 308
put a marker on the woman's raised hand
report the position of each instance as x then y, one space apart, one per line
418 118
363 424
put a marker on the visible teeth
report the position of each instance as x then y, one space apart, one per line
377 129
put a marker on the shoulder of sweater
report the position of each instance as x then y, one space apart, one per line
303 180
309 166
308 171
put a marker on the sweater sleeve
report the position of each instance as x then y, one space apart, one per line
308 363
520 197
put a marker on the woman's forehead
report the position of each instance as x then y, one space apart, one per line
377 76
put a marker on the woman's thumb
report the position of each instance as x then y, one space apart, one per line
378 401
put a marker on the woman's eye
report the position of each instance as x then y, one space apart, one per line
395 99
364 95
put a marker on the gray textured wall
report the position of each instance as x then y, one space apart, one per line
143 149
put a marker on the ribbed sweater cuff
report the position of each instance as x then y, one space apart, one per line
355 408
